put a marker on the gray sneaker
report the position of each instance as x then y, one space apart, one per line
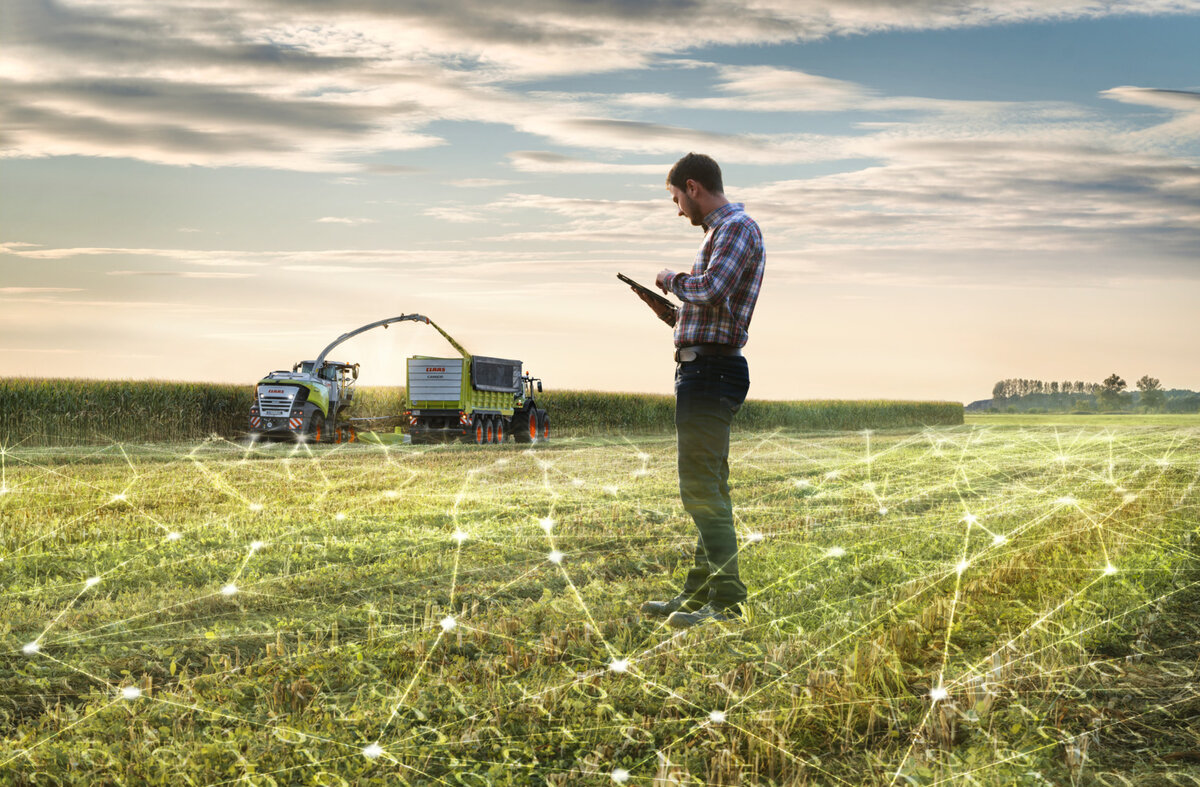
686 619
662 609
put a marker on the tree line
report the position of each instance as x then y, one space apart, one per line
1111 394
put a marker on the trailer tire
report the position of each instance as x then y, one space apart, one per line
525 426
498 422
480 431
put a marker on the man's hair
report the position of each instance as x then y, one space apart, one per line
697 167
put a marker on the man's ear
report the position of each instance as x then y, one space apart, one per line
693 188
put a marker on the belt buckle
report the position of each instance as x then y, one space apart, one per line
686 356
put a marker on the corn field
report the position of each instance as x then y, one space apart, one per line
80 412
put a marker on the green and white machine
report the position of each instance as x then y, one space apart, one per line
476 398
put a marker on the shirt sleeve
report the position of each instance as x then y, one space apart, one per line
732 247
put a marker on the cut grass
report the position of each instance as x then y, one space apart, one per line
404 597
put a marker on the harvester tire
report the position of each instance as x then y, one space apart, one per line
525 426
315 431
543 426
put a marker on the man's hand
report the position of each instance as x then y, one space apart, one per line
662 278
666 313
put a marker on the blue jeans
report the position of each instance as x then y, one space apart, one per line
708 391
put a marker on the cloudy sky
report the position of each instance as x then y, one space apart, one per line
951 193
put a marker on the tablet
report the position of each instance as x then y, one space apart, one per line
654 295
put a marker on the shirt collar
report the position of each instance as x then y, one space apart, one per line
718 217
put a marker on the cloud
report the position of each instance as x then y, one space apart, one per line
1177 100
542 161
185 274
27 290
344 220
314 86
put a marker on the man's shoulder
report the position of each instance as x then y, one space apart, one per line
737 219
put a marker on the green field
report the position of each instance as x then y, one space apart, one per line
1003 602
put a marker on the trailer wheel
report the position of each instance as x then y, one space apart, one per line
480 431
490 426
543 425
499 423
525 426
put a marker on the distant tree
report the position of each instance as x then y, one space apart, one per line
1000 391
1153 397
1054 387
1110 392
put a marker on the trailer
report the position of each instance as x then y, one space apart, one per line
473 398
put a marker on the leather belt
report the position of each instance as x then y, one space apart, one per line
693 351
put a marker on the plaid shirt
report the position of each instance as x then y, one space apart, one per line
719 294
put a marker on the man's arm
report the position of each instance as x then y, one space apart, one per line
666 312
731 254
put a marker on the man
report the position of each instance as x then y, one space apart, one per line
711 380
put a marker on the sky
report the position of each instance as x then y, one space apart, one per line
950 193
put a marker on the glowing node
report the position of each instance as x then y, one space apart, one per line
802 483
555 556
1060 458
644 456
835 552
547 524
229 589
717 717
619 665
173 536
962 566
91 582
999 539
1066 500
460 536
1163 463
832 474
870 487
448 623
1129 498
754 538
118 498
1109 570
256 506
31 648
4 490
620 775
256 545
576 482
131 692
938 694
883 510
640 473
390 494
373 752
971 519
612 490
340 517
501 462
